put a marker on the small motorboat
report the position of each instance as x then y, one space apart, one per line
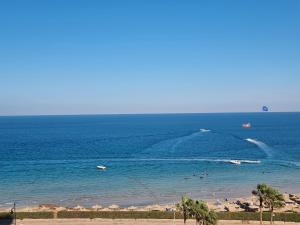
236 162
246 125
101 167
204 130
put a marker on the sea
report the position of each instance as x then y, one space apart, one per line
150 158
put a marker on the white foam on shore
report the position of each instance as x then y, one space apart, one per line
267 150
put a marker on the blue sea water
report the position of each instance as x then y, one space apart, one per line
150 158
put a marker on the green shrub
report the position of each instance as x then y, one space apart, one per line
288 217
118 214
35 215
292 217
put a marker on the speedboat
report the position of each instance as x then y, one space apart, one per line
246 125
101 167
236 162
204 130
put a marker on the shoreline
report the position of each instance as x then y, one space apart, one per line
88 201
249 203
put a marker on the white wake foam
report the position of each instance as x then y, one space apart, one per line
239 161
173 143
251 161
267 150
204 130
186 159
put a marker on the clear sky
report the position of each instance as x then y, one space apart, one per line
148 56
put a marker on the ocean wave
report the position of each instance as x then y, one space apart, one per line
267 150
285 163
297 164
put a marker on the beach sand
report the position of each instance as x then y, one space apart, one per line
219 205
128 222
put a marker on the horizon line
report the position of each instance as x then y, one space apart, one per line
158 113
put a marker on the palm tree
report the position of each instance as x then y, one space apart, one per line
260 192
199 211
274 199
185 207
211 218
202 214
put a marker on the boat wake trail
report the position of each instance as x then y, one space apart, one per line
173 143
187 160
267 150
235 161
178 141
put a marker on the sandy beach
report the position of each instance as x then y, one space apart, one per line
292 204
127 222
250 203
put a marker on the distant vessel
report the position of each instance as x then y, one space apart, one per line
236 162
204 130
246 125
239 162
101 167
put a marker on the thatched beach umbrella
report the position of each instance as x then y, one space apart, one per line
155 208
97 207
26 209
158 208
131 208
114 207
79 207
60 208
149 207
48 206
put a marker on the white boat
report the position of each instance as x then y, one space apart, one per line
101 167
204 130
236 162
246 125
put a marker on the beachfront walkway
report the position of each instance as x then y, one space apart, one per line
127 222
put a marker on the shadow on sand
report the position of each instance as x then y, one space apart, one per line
7 221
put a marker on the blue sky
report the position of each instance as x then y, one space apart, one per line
86 57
